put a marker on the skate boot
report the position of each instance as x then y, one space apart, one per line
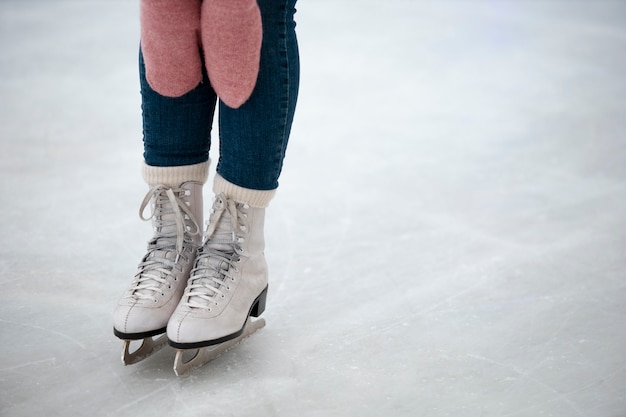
145 308
228 283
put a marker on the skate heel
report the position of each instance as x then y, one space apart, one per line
259 304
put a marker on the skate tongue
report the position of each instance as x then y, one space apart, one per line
163 247
216 255
222 238
174 226
161 255
214 263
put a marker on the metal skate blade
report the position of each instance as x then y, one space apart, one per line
206 354
147 348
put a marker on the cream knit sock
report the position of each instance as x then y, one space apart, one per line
175 176
254 198
231 38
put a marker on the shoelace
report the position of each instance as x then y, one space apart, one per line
217 258
166 246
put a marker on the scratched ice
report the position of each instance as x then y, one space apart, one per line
449 238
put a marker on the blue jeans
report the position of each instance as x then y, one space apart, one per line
253 138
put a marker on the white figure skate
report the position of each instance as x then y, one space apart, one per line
227 286
145 308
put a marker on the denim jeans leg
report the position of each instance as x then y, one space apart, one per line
253 137
176 130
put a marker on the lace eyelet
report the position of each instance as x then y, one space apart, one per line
222 296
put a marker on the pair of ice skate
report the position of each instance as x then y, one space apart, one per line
197 293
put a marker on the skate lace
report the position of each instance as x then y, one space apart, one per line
171 236
215 265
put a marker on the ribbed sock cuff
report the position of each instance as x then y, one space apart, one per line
254 198
175 176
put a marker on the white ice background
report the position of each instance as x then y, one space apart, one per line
449 236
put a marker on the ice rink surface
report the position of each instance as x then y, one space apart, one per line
449 237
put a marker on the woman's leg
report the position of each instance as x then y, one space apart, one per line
230 279
176 130
253 138
176 134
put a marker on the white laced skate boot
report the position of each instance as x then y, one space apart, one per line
229 281
145 308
